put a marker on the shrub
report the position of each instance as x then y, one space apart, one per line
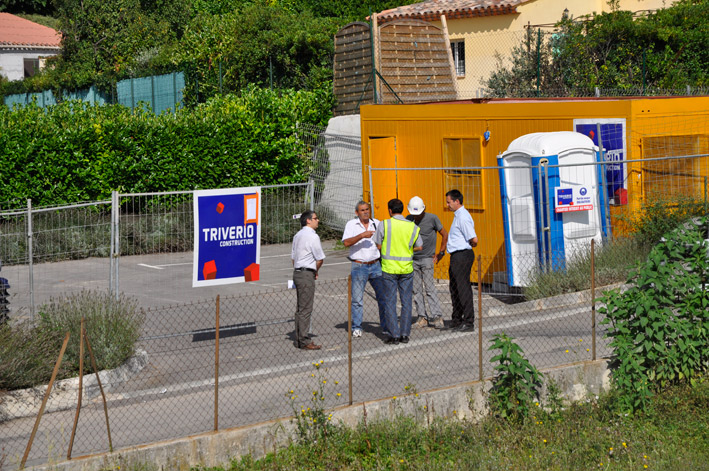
76 152
29 352
113 326
659 215
27 356
659 327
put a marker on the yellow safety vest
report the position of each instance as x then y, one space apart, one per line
397 246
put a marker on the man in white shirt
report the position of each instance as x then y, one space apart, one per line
307 256
461 240
364 256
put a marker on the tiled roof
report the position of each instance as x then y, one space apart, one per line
18 32
431 10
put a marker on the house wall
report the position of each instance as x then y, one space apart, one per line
485 37
12 61
419 131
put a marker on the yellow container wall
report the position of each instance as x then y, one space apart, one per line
419 131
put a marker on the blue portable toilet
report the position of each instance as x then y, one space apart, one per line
551 203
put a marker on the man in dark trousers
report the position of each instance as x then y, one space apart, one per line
461 240
307 255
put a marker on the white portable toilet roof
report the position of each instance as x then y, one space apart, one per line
549 143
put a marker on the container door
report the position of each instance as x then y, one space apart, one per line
383 183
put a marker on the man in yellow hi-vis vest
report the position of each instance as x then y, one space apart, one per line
397 240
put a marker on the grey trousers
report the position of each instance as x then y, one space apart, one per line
305 288
425 287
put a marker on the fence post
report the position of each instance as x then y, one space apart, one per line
153 103
216 371
539 60
81 387
349 336
44 401
604 181
100 387
372 27
115 242
311 194
111 261
30 257
593 299
480 318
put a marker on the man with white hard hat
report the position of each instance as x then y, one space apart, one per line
424 261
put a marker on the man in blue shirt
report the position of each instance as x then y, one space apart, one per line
461 240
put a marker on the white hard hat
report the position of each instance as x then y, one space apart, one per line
416 206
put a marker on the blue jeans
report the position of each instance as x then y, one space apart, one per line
361 274
404 285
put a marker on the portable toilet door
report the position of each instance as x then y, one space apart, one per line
560 190
519 216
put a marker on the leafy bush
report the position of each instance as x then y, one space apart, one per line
75 152
659 327
28 352
516 386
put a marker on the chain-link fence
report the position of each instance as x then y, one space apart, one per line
535 220
136 244
171 387
336 171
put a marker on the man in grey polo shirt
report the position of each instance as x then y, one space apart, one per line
424 261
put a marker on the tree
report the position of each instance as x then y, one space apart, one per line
39 7
666 49
106 40
259 44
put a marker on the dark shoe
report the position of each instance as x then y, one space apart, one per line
455 323
404 339
465 328
391 341
311 346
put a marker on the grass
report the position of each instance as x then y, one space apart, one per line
657 216
613 263
672 435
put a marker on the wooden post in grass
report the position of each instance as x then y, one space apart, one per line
593 299
81 390
216 371
349 336
480 317
44 401
100 387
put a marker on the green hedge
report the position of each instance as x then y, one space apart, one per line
78 152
